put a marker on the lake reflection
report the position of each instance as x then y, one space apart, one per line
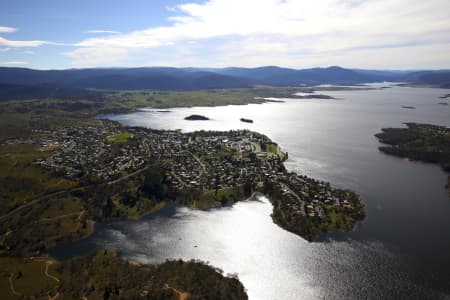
402 250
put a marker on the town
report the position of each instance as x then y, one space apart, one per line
205 161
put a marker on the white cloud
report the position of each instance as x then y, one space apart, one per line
13 63
290 33
16 44
96 57
4 29
28 52
8 44
102 31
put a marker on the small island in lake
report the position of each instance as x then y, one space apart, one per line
246 120
196 118
409 107
422 142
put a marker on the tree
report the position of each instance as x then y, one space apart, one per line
153 183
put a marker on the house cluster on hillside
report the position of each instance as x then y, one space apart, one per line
209 160
200 160
84 152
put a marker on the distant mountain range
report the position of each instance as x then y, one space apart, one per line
62 82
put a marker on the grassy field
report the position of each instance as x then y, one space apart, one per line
26 278
119 138
271 147
36 111
128 100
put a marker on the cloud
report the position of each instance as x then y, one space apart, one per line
28 52
13 63
8 44
102 31
290 33
101 56
16 44
4 29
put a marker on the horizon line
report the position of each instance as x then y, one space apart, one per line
221 68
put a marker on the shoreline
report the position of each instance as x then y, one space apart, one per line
419 142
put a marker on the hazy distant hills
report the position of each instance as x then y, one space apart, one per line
284 76
43 91
22 81
440 78
123 79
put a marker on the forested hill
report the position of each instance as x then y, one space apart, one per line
165 78
123 79
44 91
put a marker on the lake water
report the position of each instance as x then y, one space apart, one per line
401 250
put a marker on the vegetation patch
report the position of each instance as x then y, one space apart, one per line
105 276
43 224
21 180
422 142
119 138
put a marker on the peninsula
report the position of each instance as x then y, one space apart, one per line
127 172
422 142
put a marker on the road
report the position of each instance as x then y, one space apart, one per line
295 195
48 263
34 201
127 176
11 286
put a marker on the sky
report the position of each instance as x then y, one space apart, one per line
371 34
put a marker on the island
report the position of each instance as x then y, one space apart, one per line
409 107
315 96
196 118
246 120
421 142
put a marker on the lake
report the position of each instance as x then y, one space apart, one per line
401 250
